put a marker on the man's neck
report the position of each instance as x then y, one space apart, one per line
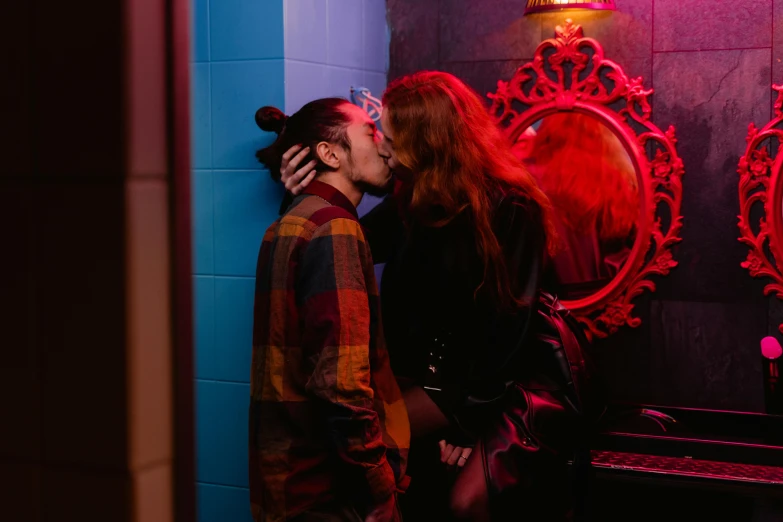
341 183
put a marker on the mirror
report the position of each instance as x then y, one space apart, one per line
594 189
583 129
761 187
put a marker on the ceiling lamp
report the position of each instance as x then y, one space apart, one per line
541 6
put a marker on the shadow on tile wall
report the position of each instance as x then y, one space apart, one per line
711 69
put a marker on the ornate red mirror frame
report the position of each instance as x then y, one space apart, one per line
761 180
560 79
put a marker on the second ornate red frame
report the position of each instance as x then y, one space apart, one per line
761 181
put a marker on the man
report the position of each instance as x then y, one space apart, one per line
329 433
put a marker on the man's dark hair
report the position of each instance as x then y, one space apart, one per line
319 120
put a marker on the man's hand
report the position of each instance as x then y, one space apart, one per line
385 512
451 455
294 180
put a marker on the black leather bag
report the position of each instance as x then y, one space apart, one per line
542 425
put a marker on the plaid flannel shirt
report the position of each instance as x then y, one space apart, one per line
326 416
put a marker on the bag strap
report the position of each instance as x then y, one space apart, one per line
570 355
575 371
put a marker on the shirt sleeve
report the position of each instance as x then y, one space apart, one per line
337 339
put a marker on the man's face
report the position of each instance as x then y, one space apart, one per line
368 167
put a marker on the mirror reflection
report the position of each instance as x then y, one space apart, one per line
592 183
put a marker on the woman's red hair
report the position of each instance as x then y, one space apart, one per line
445 136
587 174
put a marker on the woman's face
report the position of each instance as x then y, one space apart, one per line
387 150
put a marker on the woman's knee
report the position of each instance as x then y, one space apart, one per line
468 505
469 499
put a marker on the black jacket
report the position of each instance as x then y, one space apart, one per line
434 318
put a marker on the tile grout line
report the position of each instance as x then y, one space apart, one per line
711 50
221 381
202 483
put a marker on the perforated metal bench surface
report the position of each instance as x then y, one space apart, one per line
687 467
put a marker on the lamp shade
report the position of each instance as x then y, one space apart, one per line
539 6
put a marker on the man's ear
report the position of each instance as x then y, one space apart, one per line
327 154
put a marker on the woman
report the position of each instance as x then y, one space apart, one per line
589 178
464 238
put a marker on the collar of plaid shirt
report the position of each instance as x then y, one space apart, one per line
331 195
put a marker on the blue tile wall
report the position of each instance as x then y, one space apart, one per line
238 52
202 222
245 29
204 322
238 90
201 116
376 37
230 359
368 203
221 433
340 80
223 504
345 44
200 34
247 54
304 81
305 34
246 202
